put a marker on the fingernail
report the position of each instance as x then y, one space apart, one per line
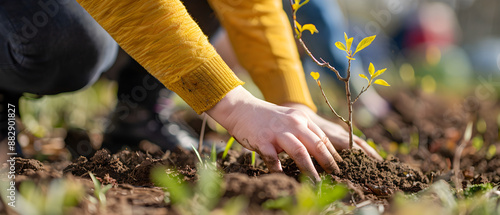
336 169
337 157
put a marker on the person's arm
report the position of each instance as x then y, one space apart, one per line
262 38
165 40
161 36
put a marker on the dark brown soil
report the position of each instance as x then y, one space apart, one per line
124 167
437 124
259 189
377 180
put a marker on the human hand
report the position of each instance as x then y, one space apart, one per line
269 129
337 135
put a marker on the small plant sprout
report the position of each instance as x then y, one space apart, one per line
99 191
55 197
228 146
299 29
197 154
253 158
322 198
185 199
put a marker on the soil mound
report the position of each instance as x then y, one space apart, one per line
378 179
125 167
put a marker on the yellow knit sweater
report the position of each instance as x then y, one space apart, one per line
164 39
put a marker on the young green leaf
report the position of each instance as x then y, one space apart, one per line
348 44
364 43
364 76
379 72
253 158
310 27
371 69
295 5
298 30
315 75
228 146
179 190
381 82
340 46
197 154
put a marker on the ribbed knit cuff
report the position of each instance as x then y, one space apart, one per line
205 86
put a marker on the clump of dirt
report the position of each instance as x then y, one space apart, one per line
240 162
259 189
34 169
27 165
475 166
377 180
125 167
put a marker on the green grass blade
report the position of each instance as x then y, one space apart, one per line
197 154
228 146
253 159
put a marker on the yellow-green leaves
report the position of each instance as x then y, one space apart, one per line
364 76
373 75
296 4
371 69
340 46
381 82
315 75
348 43
364 43
310 27
299 29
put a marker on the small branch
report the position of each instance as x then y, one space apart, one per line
456 166
323 63
330 106
458 155
361 92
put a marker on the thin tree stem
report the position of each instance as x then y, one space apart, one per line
330 106
322 63
361 92
349 104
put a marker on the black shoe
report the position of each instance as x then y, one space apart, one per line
142 114
9 111
130 127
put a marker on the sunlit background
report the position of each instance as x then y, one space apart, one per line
445 51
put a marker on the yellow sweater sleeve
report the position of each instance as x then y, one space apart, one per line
165 40
261 35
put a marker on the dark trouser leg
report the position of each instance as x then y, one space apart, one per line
49 47
140 114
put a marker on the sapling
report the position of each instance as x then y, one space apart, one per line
99 191
321 198
299 29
